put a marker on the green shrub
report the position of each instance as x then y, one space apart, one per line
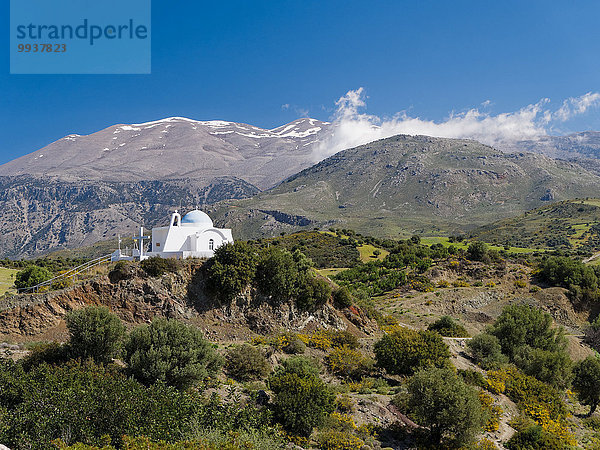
587 382
472 377
568 273
46 353
439 399
247 363
520 325
123 270
89 404
343 339
486 351
477 251
342 298
552 367
231 270
31 276
301 402
535 438
94 333
171 352
300 365
592 334
277 274
448 327
348 363
404 351
313 292
157 266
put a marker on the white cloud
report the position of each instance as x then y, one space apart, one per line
577 105
352 128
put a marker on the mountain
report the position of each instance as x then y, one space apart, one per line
40 214
83 189
584 145
176 148
407 184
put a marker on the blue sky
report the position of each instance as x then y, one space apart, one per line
243 60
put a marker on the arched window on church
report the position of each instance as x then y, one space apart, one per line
211 244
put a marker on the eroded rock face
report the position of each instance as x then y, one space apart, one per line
139 299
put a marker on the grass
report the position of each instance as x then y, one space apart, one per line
465 244
366 252
7 280
330 272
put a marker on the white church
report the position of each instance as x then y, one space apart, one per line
192 235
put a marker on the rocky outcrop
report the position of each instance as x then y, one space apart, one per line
174 295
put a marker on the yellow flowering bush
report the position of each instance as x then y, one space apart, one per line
520 283
496 380
348 362
487 401
338 440
538 401
558 428
460 283
443 284
490 284
320 339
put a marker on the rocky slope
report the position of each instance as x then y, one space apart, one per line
139 298
38 214
413 184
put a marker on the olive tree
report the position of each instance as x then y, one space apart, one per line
587 382
440 400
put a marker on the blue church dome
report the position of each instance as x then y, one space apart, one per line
196 218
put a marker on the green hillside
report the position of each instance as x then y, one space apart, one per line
571 224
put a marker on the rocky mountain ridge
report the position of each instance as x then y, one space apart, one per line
176 148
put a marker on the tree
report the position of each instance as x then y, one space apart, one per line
486 351
520 325
439 399
302 400
246 363
592 334
342 297
404 351
231 270
313 292
568 273
448 327
477 251
95 333
277 274
587 382
170 351
31 276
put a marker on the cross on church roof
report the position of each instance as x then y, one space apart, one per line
140 238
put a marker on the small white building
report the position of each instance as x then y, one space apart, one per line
192 235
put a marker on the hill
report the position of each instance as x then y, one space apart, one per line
570 224
404 185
